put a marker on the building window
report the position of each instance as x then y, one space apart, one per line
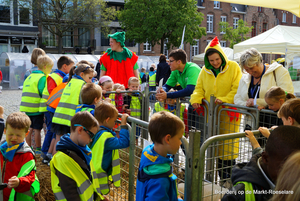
199 2
264 27
260 9
210 23
294 19
84 37
195 48
223 43
166 51
283 17
235 22
253 33
4 12
147 46
223 19
67 40
216 4
48 38
207 42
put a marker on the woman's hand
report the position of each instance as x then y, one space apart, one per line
250 102
218 101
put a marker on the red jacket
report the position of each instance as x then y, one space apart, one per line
13 168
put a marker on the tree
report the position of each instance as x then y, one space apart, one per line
153 21
62 16
235 35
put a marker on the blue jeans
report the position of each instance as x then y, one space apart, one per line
49 135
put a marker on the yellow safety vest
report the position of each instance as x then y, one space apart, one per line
34 188
67 166
135 107
31 99
97 158
69 100
112 98
152 80
159 108
58 80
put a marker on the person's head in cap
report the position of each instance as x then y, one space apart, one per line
106 83
117 41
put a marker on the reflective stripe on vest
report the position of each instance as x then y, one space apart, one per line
58 80
152 80
34 188
97 158
67 166
135 107
31 99
55 95
68 102
248 188
86 109
159 108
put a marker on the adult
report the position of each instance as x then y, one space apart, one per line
259 79
119 62
219 77
163 70
183 72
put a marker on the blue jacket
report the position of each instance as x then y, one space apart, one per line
155 178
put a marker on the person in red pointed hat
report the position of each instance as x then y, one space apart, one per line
119 62
220 77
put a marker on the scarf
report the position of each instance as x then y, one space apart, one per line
9 151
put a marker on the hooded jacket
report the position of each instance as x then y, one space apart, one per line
275 75
249 172
155 178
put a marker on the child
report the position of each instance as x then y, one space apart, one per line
152 78
119 97
155 178
32 98
90 97
72 171
106 84
143 76
105 145
18 160
54 79
61 122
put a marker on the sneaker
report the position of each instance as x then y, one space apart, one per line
46 160
37 152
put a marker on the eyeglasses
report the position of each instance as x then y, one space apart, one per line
170 61
91 134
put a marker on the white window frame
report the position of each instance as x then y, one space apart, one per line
207 42
166 51
283 17
294 19
210 24
30 16
217 4
147 47
195 48
223 19
11 10
235 22
223 43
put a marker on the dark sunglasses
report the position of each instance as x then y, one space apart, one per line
91 134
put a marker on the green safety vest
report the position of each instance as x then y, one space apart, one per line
159 108
71 169
58 80
152 80
135 107
35 186
86 109
97 158
68 103
31 99
112 98
248 188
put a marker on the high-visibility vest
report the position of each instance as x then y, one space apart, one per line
31 99
55 95
159 108
66 165
97 158
112 98
248 188
69 100
34 188
58 80
86 109
152 80
135 107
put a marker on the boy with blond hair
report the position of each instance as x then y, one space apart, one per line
31 102
106 145
18 160
91 95
155 178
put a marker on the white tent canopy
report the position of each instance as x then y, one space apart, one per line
277 40
228 52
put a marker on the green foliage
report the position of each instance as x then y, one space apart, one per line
154 21
235 35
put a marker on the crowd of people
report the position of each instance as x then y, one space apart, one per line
81 145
